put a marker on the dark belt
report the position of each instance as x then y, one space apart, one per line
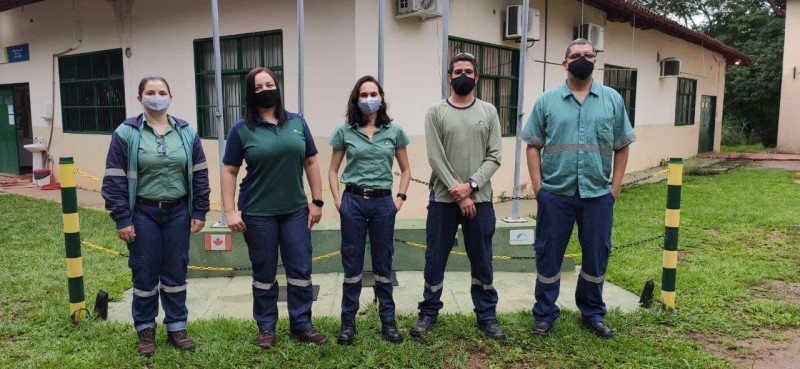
367 193
161 204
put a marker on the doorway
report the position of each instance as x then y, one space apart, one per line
16 129
708 113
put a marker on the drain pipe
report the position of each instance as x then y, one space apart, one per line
381 13
523 43
218 113
300 62
445 40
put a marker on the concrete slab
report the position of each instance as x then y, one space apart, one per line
231 297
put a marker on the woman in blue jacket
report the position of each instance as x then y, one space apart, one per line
156 188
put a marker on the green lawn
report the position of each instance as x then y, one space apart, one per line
740 231
742 148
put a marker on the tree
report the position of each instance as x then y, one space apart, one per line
754 27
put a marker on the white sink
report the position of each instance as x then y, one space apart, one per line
35 147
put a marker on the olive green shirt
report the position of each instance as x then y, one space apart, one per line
162 168
463 144
369 162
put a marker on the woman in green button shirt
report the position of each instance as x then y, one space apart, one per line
371 143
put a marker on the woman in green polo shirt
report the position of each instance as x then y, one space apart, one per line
273 211
371 143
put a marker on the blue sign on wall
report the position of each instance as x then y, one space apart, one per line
17 53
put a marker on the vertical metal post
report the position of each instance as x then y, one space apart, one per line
445 43
381 14
672 222
300 61
218 116
523 43
72 239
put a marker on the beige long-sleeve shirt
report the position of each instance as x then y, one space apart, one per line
463 143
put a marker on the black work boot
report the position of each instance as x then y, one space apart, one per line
424 324
492 329
347 333
147 342
389 332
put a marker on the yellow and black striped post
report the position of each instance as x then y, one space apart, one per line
72 239
672 223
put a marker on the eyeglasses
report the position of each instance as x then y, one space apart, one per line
162 145
575 56
464 55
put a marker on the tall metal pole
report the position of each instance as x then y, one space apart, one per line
300 61
523 43
72 239
445 40
381 13
218 117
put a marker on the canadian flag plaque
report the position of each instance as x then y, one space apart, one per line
218 242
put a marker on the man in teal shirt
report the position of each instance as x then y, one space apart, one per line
572 134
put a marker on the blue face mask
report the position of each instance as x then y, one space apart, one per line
157 104
369 105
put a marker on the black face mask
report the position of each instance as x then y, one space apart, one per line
267 98
581 68
462 85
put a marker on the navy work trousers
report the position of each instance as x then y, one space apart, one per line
265 235
441 227
159 252
360 216
556 217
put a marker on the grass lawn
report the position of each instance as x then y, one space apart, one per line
740 233
742 148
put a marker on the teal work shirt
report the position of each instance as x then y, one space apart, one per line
369 162
162 164
577 141
275 156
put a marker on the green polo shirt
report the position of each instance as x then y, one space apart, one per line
369 162
162 175
577 141
463 143
274 155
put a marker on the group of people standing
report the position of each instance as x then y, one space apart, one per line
156 183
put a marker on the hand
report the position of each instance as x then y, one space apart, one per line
398 203
338 204
460 191
314 215
615 191
234 220
536 188
197 225
467 208
126 234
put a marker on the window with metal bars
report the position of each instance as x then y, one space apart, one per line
240 54
685 102
498 76
623 79
92 91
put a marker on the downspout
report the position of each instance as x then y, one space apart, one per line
300 62
381 14
445 40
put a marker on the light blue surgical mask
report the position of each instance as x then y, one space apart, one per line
369 105
158 104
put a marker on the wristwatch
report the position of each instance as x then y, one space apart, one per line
318 203
402 196
473 184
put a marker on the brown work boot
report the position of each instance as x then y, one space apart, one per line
266 339
147 342
180 340
310 336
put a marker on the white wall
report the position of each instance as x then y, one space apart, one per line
789 121
341 46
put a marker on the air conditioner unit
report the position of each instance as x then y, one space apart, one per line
513 26
670 67
592 32
424 9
